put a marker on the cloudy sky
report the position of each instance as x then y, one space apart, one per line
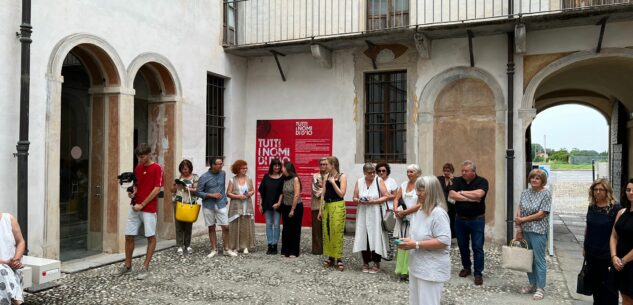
571 126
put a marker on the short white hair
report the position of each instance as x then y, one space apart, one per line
415 168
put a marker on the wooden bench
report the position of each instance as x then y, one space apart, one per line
350 216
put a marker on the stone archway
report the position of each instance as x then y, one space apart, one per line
107 80
599 80
162 93
447 100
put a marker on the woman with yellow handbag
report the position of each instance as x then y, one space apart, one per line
182 193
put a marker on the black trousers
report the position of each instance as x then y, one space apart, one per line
291 232
370 255
604 292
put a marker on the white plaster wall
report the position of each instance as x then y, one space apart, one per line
309 92
10 19
187 33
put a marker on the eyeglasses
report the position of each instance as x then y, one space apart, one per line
323 164
382 170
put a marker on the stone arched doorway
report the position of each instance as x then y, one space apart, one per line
157 91
464 126
462 118
85 78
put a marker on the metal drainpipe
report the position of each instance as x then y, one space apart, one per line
510 147
23 143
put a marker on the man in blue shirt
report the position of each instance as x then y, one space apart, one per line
211 188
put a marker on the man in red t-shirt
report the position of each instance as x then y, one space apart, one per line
149 180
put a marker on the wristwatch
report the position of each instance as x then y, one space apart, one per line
417 245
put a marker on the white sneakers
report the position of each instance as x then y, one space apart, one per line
179 251
245 250
225 253
189 250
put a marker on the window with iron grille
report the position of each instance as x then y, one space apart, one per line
230 22
386 117
386 14
215 117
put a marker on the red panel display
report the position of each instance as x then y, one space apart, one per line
303 142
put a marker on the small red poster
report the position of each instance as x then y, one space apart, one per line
302 142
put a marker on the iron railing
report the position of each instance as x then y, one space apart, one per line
273 21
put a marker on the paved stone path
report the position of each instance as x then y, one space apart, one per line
257 278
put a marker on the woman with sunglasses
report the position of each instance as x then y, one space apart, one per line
600 219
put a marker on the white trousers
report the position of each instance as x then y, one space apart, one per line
423 292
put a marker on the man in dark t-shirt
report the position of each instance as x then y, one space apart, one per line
469 192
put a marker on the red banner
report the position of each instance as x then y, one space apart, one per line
302 142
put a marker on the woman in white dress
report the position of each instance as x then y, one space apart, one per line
405 203
370 240
12 247
429 244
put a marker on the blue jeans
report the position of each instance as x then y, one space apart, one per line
466 231
537 242
272 226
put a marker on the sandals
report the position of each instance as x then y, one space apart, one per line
365 268
375 269
528 289
340 266
539 294
328 263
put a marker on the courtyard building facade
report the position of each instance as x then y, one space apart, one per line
403 81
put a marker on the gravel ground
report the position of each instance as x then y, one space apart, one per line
257 278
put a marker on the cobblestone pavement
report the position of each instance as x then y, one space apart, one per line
257 278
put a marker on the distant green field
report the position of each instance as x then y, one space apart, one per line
569 166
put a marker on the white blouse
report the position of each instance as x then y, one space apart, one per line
431 265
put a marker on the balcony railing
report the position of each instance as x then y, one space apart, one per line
273 21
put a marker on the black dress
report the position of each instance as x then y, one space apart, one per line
624 228
600 221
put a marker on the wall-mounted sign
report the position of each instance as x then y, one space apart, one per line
301 141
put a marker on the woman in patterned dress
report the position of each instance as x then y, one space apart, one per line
12 247
532 224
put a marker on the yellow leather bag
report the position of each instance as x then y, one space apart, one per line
187 212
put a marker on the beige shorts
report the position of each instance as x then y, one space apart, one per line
215 216
136 219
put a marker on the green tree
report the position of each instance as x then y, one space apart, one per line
562 156
536 148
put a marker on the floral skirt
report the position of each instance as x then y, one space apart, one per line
333 229
10 285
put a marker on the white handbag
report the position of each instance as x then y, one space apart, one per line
517 256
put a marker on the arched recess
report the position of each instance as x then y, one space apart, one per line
604 82
106 93
159 107
456 86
